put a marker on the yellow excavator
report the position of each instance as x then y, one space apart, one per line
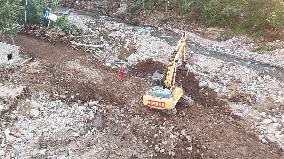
164 94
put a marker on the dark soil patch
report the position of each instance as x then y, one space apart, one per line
147 67
201 95
69 85
88 91
46 51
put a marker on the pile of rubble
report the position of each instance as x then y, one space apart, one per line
270 125
112 41
51 34
38 126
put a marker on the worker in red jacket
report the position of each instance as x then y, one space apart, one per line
121 73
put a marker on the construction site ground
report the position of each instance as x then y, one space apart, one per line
68 103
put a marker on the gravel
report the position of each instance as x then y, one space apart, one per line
38 126
238 47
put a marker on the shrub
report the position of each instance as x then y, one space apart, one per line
259 17
62 23
135 7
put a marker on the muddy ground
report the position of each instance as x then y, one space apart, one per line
120 126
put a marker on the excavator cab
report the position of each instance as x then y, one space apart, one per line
157 87
157 79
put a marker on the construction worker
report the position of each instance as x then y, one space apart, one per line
121 73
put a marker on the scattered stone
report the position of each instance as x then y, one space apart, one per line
262 114
42 151
34 112
9 137
157 148
266 121
2 152
189 148
62 96
76 134
93 103
1 108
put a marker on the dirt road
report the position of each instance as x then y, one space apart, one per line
73 106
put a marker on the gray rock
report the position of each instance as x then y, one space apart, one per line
9 137
98 122
93 103
34 112
1 107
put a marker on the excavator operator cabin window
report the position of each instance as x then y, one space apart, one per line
156 82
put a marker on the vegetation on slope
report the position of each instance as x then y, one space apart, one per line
257 17
12 13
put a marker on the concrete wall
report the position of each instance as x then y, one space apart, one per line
12 51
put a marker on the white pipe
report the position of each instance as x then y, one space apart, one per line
26 12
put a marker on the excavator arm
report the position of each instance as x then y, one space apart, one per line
181 48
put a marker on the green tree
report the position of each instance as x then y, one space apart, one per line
9 12
34 10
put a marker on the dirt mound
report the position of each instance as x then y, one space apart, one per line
201 95
147 67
